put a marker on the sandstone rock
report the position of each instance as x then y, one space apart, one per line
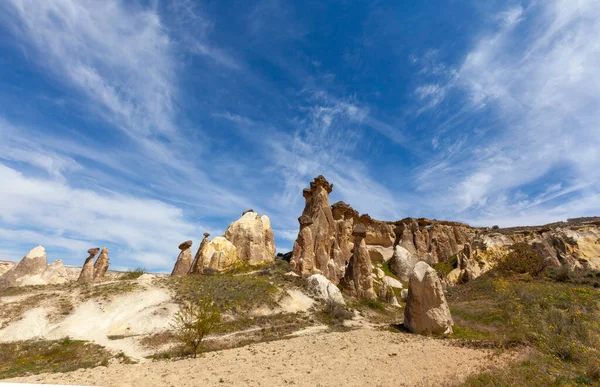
184 260
219 255
325 289
317 250
253 238
358 280
196 267
402 263
87 271
380 273
6 266
392 282
404 294
379 253
55 273
426 310
32 265
101 265
386 294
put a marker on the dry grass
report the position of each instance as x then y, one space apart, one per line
106 291
35 357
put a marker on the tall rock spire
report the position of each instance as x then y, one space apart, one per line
316 250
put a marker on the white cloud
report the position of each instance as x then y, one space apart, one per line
537 73
38 210
116 54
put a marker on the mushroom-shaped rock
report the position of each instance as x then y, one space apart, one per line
184 260
196 267
316 249
325 289
28 269
101 265
358 280
219 255
253 238
427 311
402 263
87 271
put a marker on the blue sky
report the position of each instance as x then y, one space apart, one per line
139 124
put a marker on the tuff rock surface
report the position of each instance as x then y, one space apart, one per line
325 289
184 260
29 269
87 270
197 263
426 309
101 266
316 250
253 238
358 280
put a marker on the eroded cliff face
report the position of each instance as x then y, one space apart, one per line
325 241
574 243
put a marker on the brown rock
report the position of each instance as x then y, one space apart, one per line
101 265
316 250
427 311
196 267
184 260
87 271
358 280
28 271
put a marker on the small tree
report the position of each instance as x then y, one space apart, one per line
194 320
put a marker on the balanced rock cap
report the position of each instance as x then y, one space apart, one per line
360 230
185 245
93 251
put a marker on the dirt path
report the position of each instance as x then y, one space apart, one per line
362 357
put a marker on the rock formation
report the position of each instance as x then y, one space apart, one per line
28 270
196 267
184 260
55 273
101 265
218 255
253 238
402 263
358 280
6 266
426 310
325 289
87 271
316 250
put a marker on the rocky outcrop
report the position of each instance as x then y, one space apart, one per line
54 274
218 255
28 270
325 289
101 266
253 238
358 280
6 266
87 271
184 260
402 263
427 311
196 267
316 250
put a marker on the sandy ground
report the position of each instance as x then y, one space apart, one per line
363 357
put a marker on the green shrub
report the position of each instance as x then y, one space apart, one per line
194 320
133 274
521 258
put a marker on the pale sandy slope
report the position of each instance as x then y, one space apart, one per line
362 357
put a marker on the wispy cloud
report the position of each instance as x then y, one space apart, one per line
542 85
118 56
